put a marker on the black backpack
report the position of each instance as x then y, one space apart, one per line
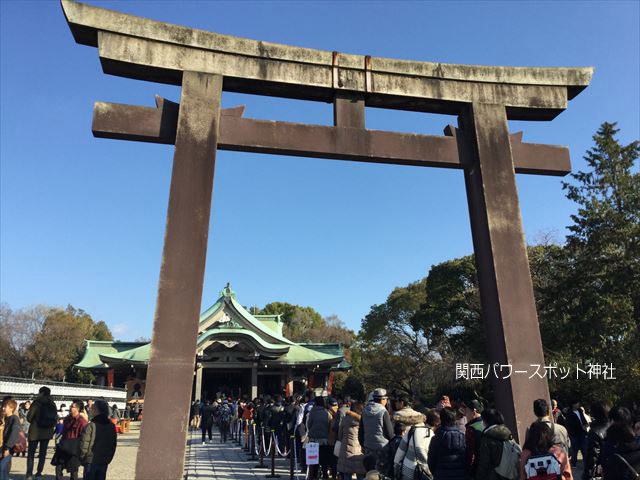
47 415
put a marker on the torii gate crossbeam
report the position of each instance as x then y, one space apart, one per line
206 63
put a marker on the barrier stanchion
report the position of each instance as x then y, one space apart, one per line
292 460
261 451
247 436
273 457
252 441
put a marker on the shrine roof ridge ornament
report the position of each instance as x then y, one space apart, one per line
140 48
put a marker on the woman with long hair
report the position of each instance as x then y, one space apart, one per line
540 456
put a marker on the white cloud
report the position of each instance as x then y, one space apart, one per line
119 328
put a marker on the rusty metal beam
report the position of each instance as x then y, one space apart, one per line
157 125
175 327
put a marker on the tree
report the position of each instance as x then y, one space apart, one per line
59 343
305 324
395 348
17 331
587 295
298 321
595 301
452 312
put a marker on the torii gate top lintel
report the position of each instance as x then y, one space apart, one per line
125 41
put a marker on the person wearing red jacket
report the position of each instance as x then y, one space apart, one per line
68 449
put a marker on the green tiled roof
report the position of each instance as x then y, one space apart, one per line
335 349
93 350
262 331
135 356
226 332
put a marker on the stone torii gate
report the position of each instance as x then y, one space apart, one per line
483 97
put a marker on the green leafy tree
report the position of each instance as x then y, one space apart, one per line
587 294
593 310
305 324
298 321
395 348
60 342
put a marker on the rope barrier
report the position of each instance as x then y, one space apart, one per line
283 455
254 441
264 443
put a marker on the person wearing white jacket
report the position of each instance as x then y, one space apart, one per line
413 450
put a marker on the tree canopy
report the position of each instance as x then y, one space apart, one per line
305 324
587 294
46 341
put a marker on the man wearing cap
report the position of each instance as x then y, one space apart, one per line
376 428
473 433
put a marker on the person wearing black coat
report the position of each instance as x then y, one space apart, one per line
206 421
447 450
577 426
595 440
624 462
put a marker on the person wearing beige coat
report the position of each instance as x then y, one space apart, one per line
350 458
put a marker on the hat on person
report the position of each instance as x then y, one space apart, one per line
379 393
474 405
331 401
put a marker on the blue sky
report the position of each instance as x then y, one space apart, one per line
82 219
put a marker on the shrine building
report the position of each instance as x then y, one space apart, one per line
237 354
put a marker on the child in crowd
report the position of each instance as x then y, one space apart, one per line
370 466
10 436
58 430
388 454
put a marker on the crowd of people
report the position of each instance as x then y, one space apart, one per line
85 436
381 438
386 438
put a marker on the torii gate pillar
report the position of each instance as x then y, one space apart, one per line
175 327
506 290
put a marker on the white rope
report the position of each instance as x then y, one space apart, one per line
286 453
268 450
254 441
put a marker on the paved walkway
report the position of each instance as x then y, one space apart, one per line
216 461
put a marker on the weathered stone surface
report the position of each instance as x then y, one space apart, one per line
140 48
175 327
506 290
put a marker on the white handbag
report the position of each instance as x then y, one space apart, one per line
336 448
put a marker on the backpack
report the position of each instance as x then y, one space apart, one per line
47 415
509 465
544 466
21 444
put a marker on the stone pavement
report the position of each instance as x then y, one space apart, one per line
218 461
